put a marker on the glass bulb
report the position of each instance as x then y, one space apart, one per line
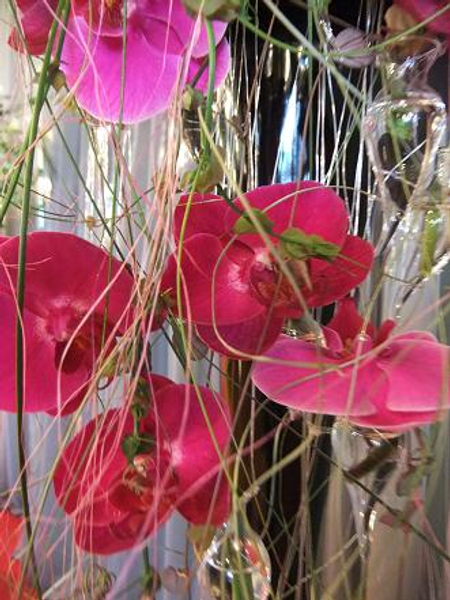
236 566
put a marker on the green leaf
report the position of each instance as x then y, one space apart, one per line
299 245
323 249
223 10
429 241
244 225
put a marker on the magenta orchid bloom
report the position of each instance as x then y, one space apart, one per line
159 34
234 290
76 302
373 378
117 501
425 9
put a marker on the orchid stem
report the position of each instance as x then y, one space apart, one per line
43 88
212 59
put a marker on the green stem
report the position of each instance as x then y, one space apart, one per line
212 58
268 38
43 88
149 572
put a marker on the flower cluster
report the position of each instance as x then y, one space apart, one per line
124 65
239 272
172 438
164 449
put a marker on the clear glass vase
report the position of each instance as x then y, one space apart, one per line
405 123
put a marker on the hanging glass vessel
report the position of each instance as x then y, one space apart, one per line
369 458
236 566
405 123
404 128
384 476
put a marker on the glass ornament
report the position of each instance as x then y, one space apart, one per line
236 566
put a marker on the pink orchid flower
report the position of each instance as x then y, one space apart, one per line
159 37
233 288
373 378
424 9
76 302
116 501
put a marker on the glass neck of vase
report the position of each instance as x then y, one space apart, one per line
405 64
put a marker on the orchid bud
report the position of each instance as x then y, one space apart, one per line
353 45
57 77
222 10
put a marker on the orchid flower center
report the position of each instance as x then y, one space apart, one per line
149 478
103 14
112 12
360 345
271 286
76 346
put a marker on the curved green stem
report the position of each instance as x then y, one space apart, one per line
43 88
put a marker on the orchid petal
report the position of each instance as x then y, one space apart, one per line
36 21
311 379
173 14
347 321
223 65
206 215
42 393
11 529
196 425
215 282
425 9
306 205
56 281
418 372
251 337
343 274
93 68
118 536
